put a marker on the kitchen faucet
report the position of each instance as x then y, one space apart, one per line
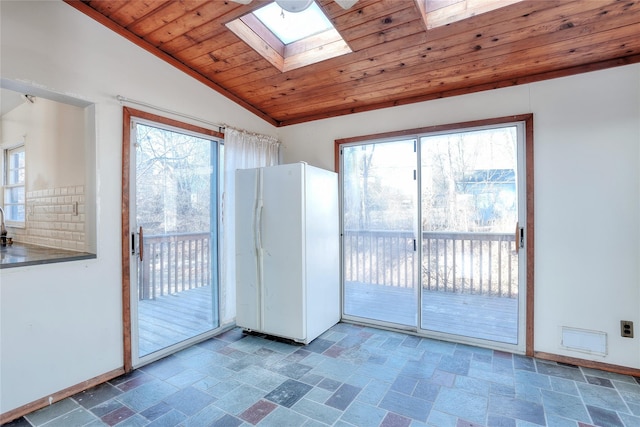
3 229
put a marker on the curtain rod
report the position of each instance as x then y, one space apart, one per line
123 99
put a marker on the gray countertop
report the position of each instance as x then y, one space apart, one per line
20 254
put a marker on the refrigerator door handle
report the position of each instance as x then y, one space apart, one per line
258 225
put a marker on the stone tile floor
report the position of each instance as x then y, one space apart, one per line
350 376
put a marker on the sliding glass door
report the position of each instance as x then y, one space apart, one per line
470 212
379 221
174 216
432 231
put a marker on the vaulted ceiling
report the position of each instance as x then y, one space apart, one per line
402 51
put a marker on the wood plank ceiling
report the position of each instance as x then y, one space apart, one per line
401 52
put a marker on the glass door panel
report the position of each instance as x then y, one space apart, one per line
379 215
175 297
469 203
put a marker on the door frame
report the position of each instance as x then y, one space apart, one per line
528 197
126 241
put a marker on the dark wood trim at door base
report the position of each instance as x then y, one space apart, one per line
617 369
58 396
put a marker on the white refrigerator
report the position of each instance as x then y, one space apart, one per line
287 251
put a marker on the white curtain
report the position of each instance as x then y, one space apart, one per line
242 150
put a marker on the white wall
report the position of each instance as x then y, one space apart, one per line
56 142
61 324
587 192
587 199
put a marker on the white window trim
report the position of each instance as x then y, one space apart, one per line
6 185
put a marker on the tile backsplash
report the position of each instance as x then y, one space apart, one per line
55 218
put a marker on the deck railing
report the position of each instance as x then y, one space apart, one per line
173 263
476 263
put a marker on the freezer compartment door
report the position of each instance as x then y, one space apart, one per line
248 300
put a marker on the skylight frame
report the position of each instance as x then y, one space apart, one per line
285 57
438 13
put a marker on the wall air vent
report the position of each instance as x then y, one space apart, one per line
592 342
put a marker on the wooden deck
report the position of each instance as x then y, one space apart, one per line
476 316
170 319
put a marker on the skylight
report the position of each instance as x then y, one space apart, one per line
291 27
290 40
443 12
